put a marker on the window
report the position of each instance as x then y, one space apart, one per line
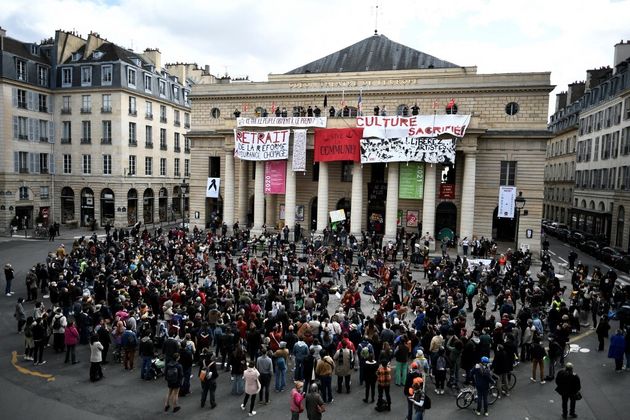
346 171
162 85
87 164
148 136
66 132
162 166
43 163
186 167
20 69
176 145
132 134
132 164
43 131
107 132
43 102
107 75
176 118
67 164
596 151
451 108
162 113
149 111
23 193
176 172
86 76
66 77
132 106
20 128
148 166
175 92
21 98
44 192
162 138
107 164
42 76
187 120
86 132
107 103
22 162
315 177
147 82
131 77
186 145
86 104
626 107
215 112
65 105
508 172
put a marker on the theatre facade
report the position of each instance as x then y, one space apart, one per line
393 137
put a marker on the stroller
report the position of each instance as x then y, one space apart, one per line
157 368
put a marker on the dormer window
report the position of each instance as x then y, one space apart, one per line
34 49
137 62
76 56
131 77
98 55
163 88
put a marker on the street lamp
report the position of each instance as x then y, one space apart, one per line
519 203
183 188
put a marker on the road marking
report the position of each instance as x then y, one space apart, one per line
581 336
25 371
563 260
88 236
552 253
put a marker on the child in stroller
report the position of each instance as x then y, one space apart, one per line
157 368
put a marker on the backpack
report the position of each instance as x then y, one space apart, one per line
171 375
470 290
57 323
131 340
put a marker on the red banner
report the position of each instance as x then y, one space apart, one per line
336 144
447 191
275 176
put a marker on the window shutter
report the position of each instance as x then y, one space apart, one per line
36 130
49 102
31 158
15 128
51 163
31 129
14 97
16 162
51 132
29 100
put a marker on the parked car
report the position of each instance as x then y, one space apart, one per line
576 238
623 263
609 255
591 248
562 234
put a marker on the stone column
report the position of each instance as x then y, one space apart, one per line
322 197
270 211
467 215
243 194
259 198
428 202
228 191
289 198
356 200
391 206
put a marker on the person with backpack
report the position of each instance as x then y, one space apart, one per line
59 324
419 400
440 367
364 350
186 360
344 359
128 343
483 380
173 374
208 375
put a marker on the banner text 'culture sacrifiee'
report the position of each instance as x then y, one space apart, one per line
261 145
388 127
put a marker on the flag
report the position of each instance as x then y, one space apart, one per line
451 103
273 107
325 101
360 103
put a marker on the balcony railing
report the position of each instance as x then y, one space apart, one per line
176 123
133 112
66 111
177 149
106 110
43 139
148 116
86 140
43 109
163 147
85 110
106 140
163 120
133 143
148 145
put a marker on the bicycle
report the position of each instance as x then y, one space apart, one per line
469 394
511 382
40 232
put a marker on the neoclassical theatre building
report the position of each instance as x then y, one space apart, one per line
394 137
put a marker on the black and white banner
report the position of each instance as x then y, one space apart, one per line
408 149
299 150
319 122
417 126
261 145
507 195
212 187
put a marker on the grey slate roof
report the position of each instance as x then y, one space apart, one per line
22 49
111 52
373 54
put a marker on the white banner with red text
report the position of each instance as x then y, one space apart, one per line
261 145
389 127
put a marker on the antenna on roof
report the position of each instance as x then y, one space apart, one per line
376 19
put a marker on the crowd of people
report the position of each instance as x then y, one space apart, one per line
206 302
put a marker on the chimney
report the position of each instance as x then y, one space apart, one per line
3 33
622 53
575 92
561 101
595 77
154 56
207 69
94 41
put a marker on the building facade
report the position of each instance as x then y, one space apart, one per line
504 145
93 132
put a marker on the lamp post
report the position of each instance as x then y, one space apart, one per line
183 188
519 203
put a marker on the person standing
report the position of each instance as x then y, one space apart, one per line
147 351
324 370
602 332
617 349
9 275
568 386
71 339
39 341
129 342
209 382
252 387
343 367
465 245
297 400
173 373
20 314
483 380
314 404
59 324
96 357
186 360
384 380
264 364
281 357
538 354
369 376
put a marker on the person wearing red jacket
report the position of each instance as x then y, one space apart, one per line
71 339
